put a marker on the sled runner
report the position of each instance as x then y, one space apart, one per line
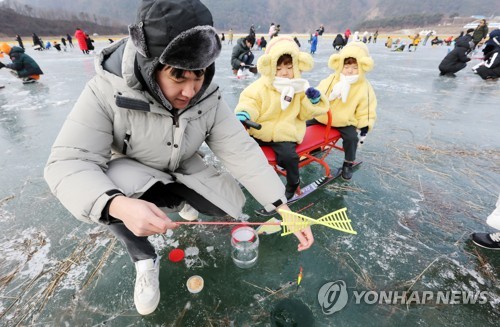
302 192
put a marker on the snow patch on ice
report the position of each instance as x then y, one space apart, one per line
192 258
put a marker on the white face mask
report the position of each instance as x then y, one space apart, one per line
351 79
342 88
288 88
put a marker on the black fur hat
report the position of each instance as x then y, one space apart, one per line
177 32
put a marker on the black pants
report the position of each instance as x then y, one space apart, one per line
286 157
170 195
349 139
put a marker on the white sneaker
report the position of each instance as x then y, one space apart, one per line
494 218
188 213
147 285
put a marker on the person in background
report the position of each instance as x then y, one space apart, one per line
436 41
399 46
415 40
347 34
131 142
352 100
489 68
252 31
242 55
37 42
90 43
81 37
70 40
338 42
456 59
19 41
468 35
375 36
230 36
364 37
448 40
480 33
277 30
63 41
296 41
263 43
281 101
388 43
272 31
314 43
321 30
427 36
57 46
23 66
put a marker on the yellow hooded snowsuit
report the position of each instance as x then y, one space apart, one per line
359 108
261 100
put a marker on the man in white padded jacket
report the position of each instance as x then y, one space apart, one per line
130 144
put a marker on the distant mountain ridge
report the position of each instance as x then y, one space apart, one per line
25 25
292 15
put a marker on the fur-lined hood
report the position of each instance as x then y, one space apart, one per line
176 33
357 50
277 47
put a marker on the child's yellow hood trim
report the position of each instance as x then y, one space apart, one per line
357 50
277 47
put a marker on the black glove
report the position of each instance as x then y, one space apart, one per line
2 65
362 135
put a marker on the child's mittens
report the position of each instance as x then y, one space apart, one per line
336 92
313 95
243 116
362 135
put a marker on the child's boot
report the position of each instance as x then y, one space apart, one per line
290 190
347 170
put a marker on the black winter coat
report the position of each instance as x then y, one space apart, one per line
339 40
456 60
22 63
238 50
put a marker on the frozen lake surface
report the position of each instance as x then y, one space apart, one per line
430 177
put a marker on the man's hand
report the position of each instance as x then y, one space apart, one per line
141 217
305 235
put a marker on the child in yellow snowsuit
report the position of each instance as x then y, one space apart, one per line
352 99
281 101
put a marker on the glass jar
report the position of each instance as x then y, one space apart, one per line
245 246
